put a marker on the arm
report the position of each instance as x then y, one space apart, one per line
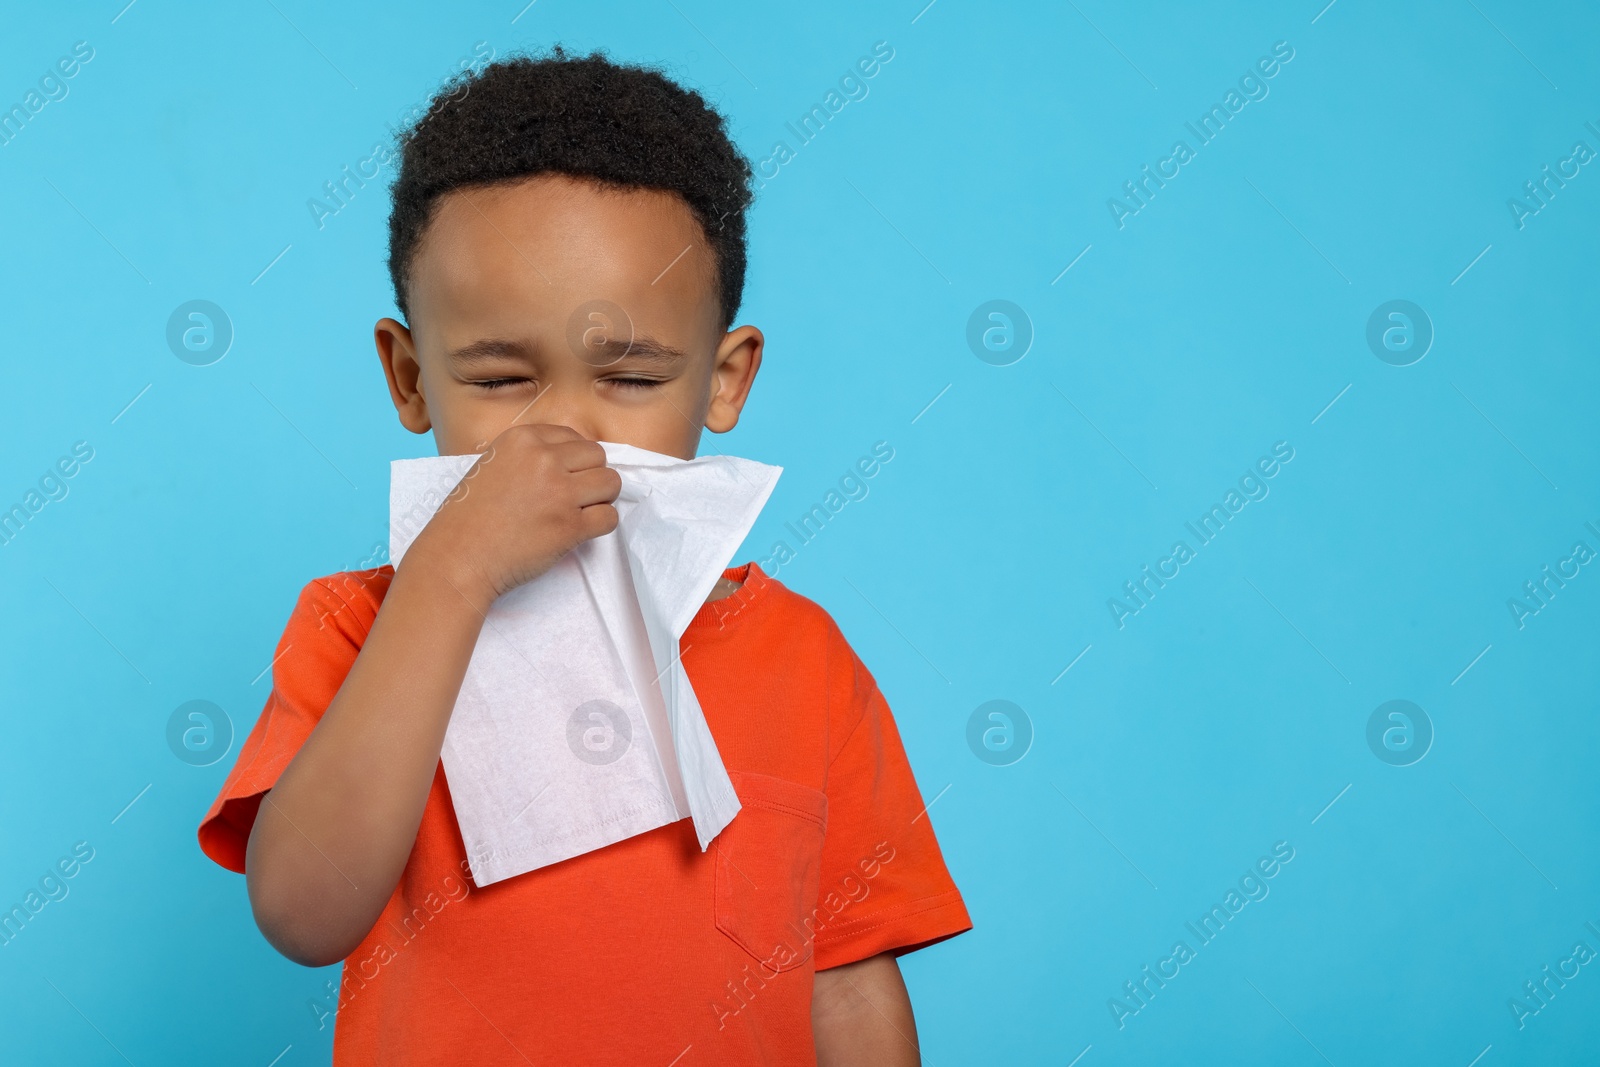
333 835
861 1014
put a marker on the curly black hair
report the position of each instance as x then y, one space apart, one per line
585 117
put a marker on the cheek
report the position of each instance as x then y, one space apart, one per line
465 418
668 419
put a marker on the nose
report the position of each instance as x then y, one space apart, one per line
557 407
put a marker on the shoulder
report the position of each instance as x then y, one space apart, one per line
331 619
780 613
807 632
345 601
799 610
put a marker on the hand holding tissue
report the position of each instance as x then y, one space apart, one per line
576 725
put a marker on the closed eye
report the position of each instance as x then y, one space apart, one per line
631 383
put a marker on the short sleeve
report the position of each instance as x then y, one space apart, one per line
884 885
319 644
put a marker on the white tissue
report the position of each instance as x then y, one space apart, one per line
576 725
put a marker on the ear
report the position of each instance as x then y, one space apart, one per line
404 373
733 372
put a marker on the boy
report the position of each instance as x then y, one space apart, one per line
567 245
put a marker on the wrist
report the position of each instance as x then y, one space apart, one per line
451 582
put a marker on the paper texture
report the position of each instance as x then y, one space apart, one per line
576 725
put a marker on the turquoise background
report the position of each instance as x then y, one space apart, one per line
1230 713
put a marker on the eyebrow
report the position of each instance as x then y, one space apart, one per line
642 349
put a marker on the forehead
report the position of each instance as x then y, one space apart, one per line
514 258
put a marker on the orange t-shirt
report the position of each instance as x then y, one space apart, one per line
647 950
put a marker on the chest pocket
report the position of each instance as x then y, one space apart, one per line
768 868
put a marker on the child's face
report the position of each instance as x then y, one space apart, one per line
537 287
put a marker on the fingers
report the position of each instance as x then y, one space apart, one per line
597 520
575 451
597 485
580 455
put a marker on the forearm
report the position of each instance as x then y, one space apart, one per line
861 1014
332 837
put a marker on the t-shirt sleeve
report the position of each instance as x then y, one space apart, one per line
884 885
318 647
